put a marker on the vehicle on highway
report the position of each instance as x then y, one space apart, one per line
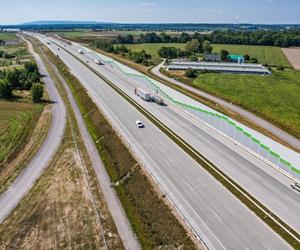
80 51
158 99
145 95
139 124
296 186
58 49
98 62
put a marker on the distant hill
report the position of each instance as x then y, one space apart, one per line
63 23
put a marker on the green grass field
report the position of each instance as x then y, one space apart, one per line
16 120
152 48
7 36
264 54
273 97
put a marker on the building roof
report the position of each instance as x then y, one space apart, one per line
234 57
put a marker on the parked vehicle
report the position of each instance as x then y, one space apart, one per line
145 95
139 124
80 51
296 186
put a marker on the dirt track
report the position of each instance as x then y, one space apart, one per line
293 55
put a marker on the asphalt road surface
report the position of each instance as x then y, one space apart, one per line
22 184
218 217
265 183
286 137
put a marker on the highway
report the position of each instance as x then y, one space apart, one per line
215 214
281 134
22 184
266 184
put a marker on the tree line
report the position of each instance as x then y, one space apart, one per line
27 78
136 56
281 38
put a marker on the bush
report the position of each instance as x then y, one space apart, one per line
191 73
37 92
193 58
168 52
104 45
280 67
253 60
139 56
5 89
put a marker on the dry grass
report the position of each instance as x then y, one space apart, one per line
57 213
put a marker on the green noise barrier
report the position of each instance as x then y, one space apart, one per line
219 122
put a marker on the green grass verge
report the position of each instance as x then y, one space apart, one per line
17 121
265 54
275 98
151 219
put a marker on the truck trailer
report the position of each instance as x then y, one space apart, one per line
158 99
145 95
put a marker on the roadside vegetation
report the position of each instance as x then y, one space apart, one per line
151 219
18 113
274 98
62 209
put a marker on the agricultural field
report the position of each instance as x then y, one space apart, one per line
5 36
152 48
272 56
17 119
275 97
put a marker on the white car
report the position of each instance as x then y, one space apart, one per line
139 124
296 186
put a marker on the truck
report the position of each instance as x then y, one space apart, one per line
145 95
97 61
80 51
158 99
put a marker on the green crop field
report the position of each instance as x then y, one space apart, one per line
16 119
265 54
7 36
273 97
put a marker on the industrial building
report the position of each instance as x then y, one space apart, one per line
233 68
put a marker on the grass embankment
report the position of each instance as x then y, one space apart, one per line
17 121
272 56
58 213
275 98
150 218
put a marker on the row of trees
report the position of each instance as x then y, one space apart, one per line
135 56
191 47
284 38
27 78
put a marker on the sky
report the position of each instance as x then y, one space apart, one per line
152 11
